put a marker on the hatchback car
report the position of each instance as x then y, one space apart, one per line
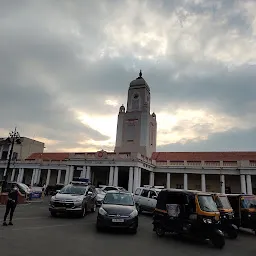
118 210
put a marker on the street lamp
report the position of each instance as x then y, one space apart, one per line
14 136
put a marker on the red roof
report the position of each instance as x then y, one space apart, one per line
49 156
203 156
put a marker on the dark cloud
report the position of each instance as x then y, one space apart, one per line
56 57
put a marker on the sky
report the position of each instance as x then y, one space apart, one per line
65 69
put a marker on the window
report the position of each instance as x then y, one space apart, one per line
144 193
109 188
137 191
152 194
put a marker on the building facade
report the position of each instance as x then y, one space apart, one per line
135 161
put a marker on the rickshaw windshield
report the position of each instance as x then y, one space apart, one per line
207 203
223 202
248 202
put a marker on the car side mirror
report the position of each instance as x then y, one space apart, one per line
154 197
89 193
57 191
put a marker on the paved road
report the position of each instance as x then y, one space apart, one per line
36 233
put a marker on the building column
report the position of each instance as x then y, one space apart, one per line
38 176
130 182
115 183
83 172
71 173
88 173
243 185
185 183
168 180
48 177
111 176
222 184
152 179
249 184
203 183
135 179
139 180
20 175
13 174
59 176
33 178
67 175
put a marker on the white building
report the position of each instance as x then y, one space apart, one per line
135 161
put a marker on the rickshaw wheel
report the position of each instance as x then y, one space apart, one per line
218 241
232 234
160 231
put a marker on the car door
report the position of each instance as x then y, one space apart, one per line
143 200
152 195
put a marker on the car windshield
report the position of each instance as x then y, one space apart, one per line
99 191
73 190
223 202
248 202
118 199
207 203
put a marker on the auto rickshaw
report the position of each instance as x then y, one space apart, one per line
188 213
244 207
226 215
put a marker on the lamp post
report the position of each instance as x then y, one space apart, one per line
14 136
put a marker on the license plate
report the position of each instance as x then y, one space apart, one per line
61 208
117 220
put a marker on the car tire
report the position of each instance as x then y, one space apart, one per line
53 214
93 209
98 228
133 231
139 209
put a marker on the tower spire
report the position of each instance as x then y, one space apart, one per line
140 74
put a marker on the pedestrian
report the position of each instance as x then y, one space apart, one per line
43 190
11 204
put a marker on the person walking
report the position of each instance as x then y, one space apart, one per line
11 204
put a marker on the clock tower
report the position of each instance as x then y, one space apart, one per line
136 127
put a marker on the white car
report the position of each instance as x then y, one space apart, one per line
101 192
146 198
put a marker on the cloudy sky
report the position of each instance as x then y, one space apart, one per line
65 67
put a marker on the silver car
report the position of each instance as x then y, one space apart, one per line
74 199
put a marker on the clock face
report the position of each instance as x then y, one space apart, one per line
136 96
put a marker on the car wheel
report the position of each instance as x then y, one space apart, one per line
139 209
93 209
98 228
53 214
134 231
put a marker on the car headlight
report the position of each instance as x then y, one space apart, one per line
52 199
208 221
134 214
79 200
249 215
102 211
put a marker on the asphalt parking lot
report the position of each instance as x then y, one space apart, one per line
36 233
